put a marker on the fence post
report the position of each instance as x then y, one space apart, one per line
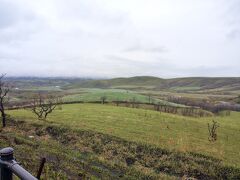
8 167
6 154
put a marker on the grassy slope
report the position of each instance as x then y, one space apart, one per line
91 95
160 129
106 83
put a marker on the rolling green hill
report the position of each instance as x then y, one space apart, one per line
144 82
107 83
177 84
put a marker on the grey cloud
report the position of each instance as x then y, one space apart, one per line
117 38
234 34
217 71
91 12
232 17
122 60
134 67
8 14
139 48
17 23
166 69
11 14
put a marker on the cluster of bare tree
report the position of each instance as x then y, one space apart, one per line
133 103
214 108
185 111
238 99
41 105
165 108
150 99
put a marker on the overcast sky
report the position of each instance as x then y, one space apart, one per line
111 38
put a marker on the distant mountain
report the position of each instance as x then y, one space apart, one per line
139 82
132 81
178 84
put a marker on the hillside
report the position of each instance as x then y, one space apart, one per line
178 84
108 142
144 82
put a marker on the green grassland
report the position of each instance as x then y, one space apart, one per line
160 129
92 95
77 89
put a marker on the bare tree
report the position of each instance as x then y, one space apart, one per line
4 90
133 101
103 99
117 102
42 105
149 98
238 99
212 130
157 106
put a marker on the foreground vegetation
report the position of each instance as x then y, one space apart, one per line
128 143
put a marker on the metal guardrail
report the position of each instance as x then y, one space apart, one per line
8 166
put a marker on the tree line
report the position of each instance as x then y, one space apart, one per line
41 104
206 105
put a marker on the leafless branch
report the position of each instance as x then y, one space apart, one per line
44 105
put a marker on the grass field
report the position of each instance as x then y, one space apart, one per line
110 94
91 95
183 134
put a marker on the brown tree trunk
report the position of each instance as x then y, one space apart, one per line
3 119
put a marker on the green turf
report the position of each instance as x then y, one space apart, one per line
110 94
151 127
91 95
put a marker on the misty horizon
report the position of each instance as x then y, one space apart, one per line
103 78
